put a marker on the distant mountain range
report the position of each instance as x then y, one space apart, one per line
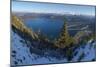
56 14
69 17
79 21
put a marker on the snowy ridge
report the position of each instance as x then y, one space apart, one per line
20 54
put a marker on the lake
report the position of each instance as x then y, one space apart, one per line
48 26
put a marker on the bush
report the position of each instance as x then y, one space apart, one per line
69 54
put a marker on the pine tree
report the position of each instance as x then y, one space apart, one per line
64 39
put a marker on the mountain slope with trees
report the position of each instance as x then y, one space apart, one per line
29 47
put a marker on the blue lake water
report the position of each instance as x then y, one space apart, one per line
48 26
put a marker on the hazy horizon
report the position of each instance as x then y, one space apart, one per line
33 7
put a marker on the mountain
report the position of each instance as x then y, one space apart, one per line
28 47
18 25
21 55
70 17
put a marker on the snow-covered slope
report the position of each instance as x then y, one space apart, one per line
20 53
86 52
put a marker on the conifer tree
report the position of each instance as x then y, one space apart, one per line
64 39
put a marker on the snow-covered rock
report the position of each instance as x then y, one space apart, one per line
21 55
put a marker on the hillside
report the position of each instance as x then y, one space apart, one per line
18 25
21 55
28 47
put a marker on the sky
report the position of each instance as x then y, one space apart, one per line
37 7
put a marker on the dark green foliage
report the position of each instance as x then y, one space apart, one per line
78 37
43 38
91 36
69 54
83 37
64 40
62 45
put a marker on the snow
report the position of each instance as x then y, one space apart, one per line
89 51
22 51
20 54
